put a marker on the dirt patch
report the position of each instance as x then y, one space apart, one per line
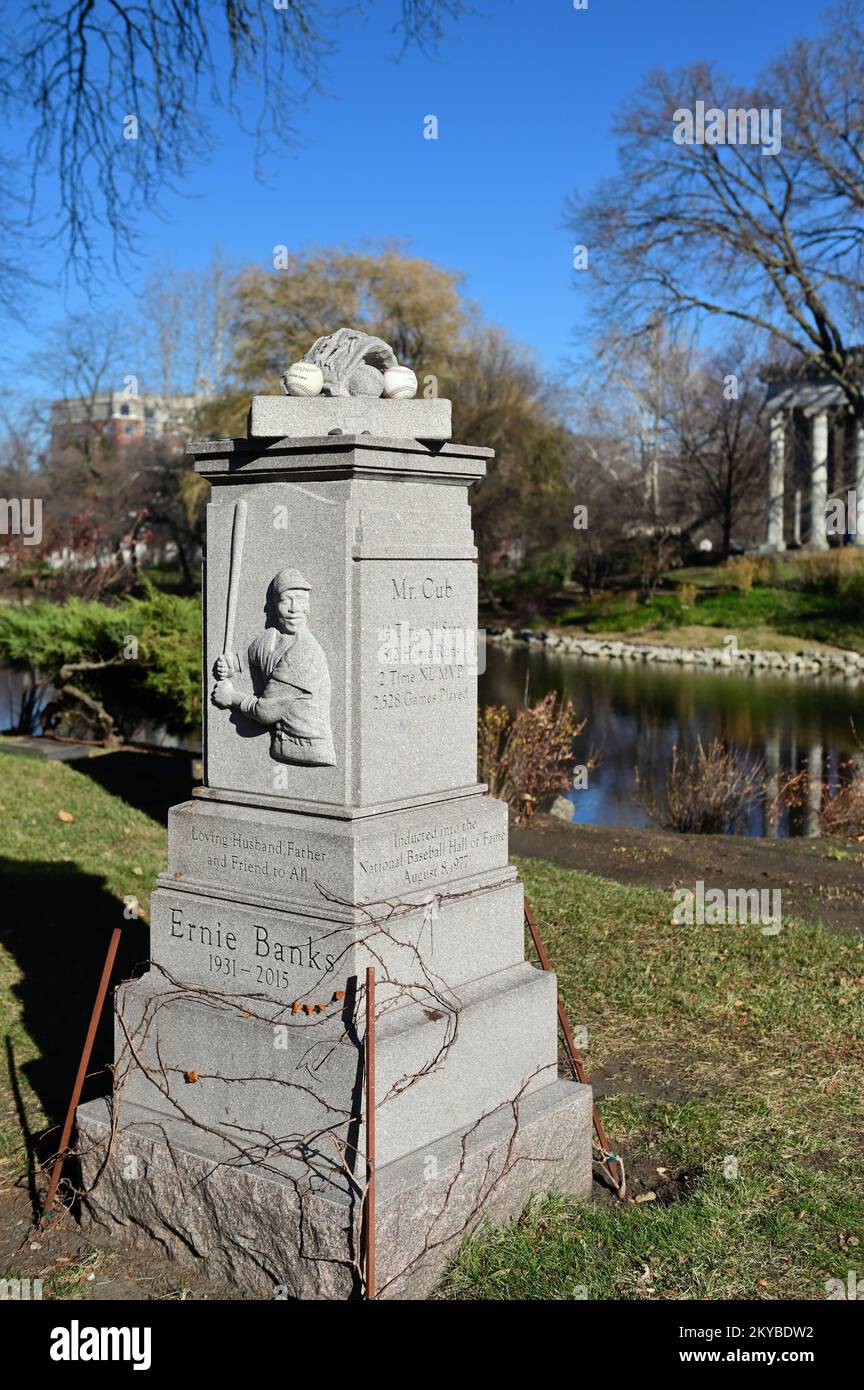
822 1161
821 880
623 1077
650 1179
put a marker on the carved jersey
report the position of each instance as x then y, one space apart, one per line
295 699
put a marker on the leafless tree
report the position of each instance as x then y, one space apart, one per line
114 95
86 355
22 451
185 318
501 399
607 482
629 390
721 447
774 241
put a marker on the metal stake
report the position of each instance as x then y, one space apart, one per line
575 1059
82 1070
369 1262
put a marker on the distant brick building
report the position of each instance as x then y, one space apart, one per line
123 419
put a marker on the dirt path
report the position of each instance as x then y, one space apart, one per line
822 880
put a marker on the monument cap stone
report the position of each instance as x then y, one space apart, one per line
306 417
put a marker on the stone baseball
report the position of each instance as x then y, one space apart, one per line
304 379
400 384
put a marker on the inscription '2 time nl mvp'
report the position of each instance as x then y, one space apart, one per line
425 662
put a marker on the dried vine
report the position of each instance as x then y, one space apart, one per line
330 1152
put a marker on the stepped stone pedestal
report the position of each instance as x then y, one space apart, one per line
340 826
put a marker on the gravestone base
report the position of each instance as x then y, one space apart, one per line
170 1188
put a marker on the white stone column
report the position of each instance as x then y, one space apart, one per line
818 539
772 783
814 789
776 481
859 483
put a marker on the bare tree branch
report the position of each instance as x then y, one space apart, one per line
117 95
727 230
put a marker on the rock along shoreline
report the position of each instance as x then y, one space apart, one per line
744 660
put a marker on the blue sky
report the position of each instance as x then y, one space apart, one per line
525 95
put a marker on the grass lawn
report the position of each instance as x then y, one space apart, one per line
765 618
758 1042
715 1042
62 889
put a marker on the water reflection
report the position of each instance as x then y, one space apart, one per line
15 687
16 693
637 713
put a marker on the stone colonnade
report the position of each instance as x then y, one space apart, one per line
821 408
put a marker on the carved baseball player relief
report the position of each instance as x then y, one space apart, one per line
288 667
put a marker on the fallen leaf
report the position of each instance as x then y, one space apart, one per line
646 1197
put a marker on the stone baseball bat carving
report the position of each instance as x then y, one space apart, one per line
238 533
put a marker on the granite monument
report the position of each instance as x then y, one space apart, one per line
340 825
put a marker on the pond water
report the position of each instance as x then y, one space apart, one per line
636 713
14 686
